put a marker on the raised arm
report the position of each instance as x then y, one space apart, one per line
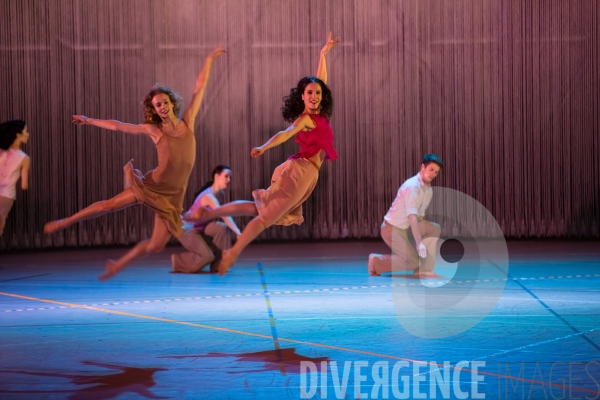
190 114
25 173
300 123
114 125
322 69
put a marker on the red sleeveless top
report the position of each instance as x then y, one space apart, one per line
320 138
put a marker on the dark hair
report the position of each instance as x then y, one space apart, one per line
9 131
432 158
218 169
150 116
294 106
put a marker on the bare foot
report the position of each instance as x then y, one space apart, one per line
371 265
111 270
198 215
54 226
426 274
227 261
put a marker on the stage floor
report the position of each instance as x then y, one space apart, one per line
149 333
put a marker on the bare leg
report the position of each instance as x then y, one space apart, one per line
251 231
233 209
124 199
158 241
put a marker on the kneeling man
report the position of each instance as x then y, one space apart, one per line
407 215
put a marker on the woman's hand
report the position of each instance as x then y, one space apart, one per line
79 119
330 43
219 51
257 151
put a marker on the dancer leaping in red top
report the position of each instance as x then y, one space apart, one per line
309 107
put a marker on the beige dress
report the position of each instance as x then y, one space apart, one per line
163 188
291 184
294 180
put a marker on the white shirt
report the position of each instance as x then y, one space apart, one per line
413 197
10 171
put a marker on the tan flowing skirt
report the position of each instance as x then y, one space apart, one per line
158 197
291 184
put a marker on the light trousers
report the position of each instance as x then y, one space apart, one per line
404 253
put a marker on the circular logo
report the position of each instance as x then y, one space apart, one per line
463 274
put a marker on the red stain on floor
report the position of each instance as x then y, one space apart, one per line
271 359
101 387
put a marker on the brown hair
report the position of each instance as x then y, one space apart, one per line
294 106
432 158
150 116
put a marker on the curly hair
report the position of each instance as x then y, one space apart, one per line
9 131
150 116
294 106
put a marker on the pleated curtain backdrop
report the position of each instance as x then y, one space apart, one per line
507 93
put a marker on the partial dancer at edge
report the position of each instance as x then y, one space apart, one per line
14 164
309 107
163 188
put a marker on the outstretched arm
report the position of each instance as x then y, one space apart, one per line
114 125
25 173
190 114
300 123
322 69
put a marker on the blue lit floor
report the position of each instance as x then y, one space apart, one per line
151 334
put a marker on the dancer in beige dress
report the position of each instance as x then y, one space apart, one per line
163 188
308 106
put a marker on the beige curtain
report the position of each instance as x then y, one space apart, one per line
506 92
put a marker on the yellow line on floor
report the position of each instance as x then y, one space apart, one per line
159 319
173 321
215 328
